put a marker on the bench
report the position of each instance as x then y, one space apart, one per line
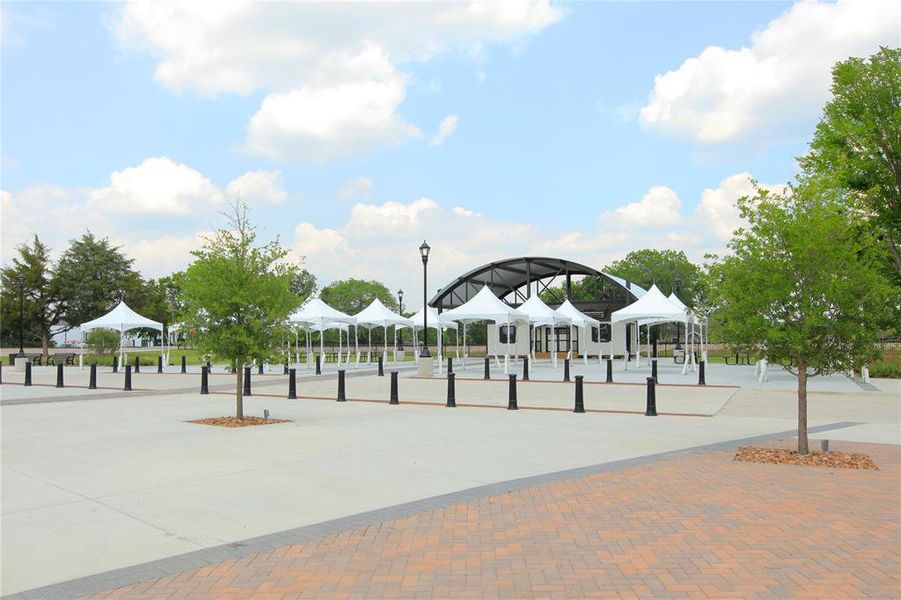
67 358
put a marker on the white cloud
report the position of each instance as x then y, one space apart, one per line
254 187
356 189
447 127
776 85
718 211
308 239
465 212
158 185
390 218
329 69
659 207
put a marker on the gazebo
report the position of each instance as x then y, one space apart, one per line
122 318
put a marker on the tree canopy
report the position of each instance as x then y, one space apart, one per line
661 267
41 305
353 295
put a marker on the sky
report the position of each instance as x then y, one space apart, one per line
355 131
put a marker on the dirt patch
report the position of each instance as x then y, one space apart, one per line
236 422
837 460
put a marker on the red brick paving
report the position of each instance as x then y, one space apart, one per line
698 526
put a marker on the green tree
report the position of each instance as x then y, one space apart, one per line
238 296
42 309
857 144
103 341
304 284
803 285
661 267
353 295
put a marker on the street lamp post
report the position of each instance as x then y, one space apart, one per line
677 287
424 253
400 309
20 279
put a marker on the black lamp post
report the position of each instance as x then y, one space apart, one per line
20 279
424 253
677 287
400 309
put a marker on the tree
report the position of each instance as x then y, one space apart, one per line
661 267
304 284
93 275
803 285
353 295
103 341
42 310
238 296
858 141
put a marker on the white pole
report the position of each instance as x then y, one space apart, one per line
685 350
583 344
465 352
385 338
556 345
357 344
507 354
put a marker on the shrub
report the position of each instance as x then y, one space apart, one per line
103 341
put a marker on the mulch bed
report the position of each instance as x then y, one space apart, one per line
236 422
838 460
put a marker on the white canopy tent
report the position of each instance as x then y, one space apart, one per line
652 308
379 315
691 319
580 320
439 322
485 306
316 315
122 318
541 314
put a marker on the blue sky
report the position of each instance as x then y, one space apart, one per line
582 130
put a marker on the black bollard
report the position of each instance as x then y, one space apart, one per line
580 396
450 364
159 364
318 365
565 369
204 379
92 382
137 364
341 396
184 364
292 384
59 376
511 394
115 364
487 368
652 399
1 372
525 368
381 366
393 397
654 369
127 387
654 346
609 370
260 371
702 380
451 391
28 373
247 391
285 371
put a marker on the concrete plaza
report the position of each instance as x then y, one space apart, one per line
100 484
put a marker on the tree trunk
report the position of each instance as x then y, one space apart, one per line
45 344
239 393
802 409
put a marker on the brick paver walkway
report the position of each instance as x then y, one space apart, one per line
693 526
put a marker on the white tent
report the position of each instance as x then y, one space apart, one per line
379 315
316 315
580 320
691 319
121 319
650 309
540 313
436 321
485 306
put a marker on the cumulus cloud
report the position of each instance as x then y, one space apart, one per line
356 189
659 207
390 218
321 64
718 211
778 83
254 187
448 126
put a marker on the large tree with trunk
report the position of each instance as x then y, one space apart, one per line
803 285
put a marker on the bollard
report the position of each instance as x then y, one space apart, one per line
824 445
610 370
341 396
525 368
59 376
652 399
393 398
318 365
292 384
381 366
655 347
450 364
204 379
137 364
285 368
565 369
28 373
1 372
184 364
209 367
451 391
654 369
127 387
92 382
702 380
487 368
511 394
247 391
159 364
580 395
115 364
260 371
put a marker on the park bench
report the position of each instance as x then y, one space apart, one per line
66 358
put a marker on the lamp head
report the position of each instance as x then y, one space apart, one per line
424 251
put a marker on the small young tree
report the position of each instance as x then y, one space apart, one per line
802 285
103 341
237 295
